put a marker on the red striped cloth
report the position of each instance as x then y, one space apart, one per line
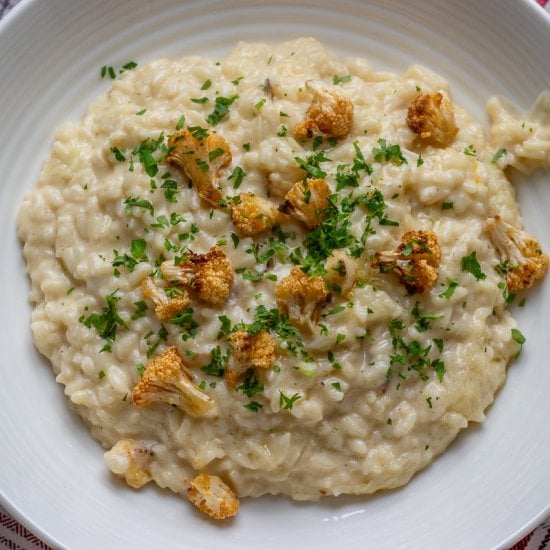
15 536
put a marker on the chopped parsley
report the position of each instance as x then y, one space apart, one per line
199 100
109 70
204 167
129 261
251 385
388 153
138 202
221 109
236 239
198 132
141 310
119 155
340 79
218 362
471 265
286 402
412 356
180 123
249 274
498 155
206 84
106 322
150 152
186 323
237 176
214 154
170 188
452 284
518 337
423 319
311 164
253 406
347 176
470 151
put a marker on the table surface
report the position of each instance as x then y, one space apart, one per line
15 536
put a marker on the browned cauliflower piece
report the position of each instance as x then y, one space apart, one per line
307 201
252 214
165 308
431 116
330 114
212 496
255 351
341 272
167 380
523 261
201 161
131 460
210 275
300 297
415 261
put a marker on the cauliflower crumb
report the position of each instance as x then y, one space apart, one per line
213 497
431 116
201 161
256 351
132 459
166 379
165 308
252 214
307 200
415 261
524 262
300 297
210 275
330 114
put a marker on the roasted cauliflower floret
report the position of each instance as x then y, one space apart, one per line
415 261
250 351
431 116
330 114
167 380
165 307
252 214
523 261
131 460
212 496
300 297
307 200
210 275
201 161
341 272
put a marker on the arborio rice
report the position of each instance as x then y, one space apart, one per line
279 272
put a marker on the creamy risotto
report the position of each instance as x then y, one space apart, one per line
279 272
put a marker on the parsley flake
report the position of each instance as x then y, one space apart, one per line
471 265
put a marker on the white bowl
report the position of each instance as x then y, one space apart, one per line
491 486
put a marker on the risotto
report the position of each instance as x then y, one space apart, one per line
279 272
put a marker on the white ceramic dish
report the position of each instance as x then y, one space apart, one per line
491 486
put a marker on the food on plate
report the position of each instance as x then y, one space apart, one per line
280 272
